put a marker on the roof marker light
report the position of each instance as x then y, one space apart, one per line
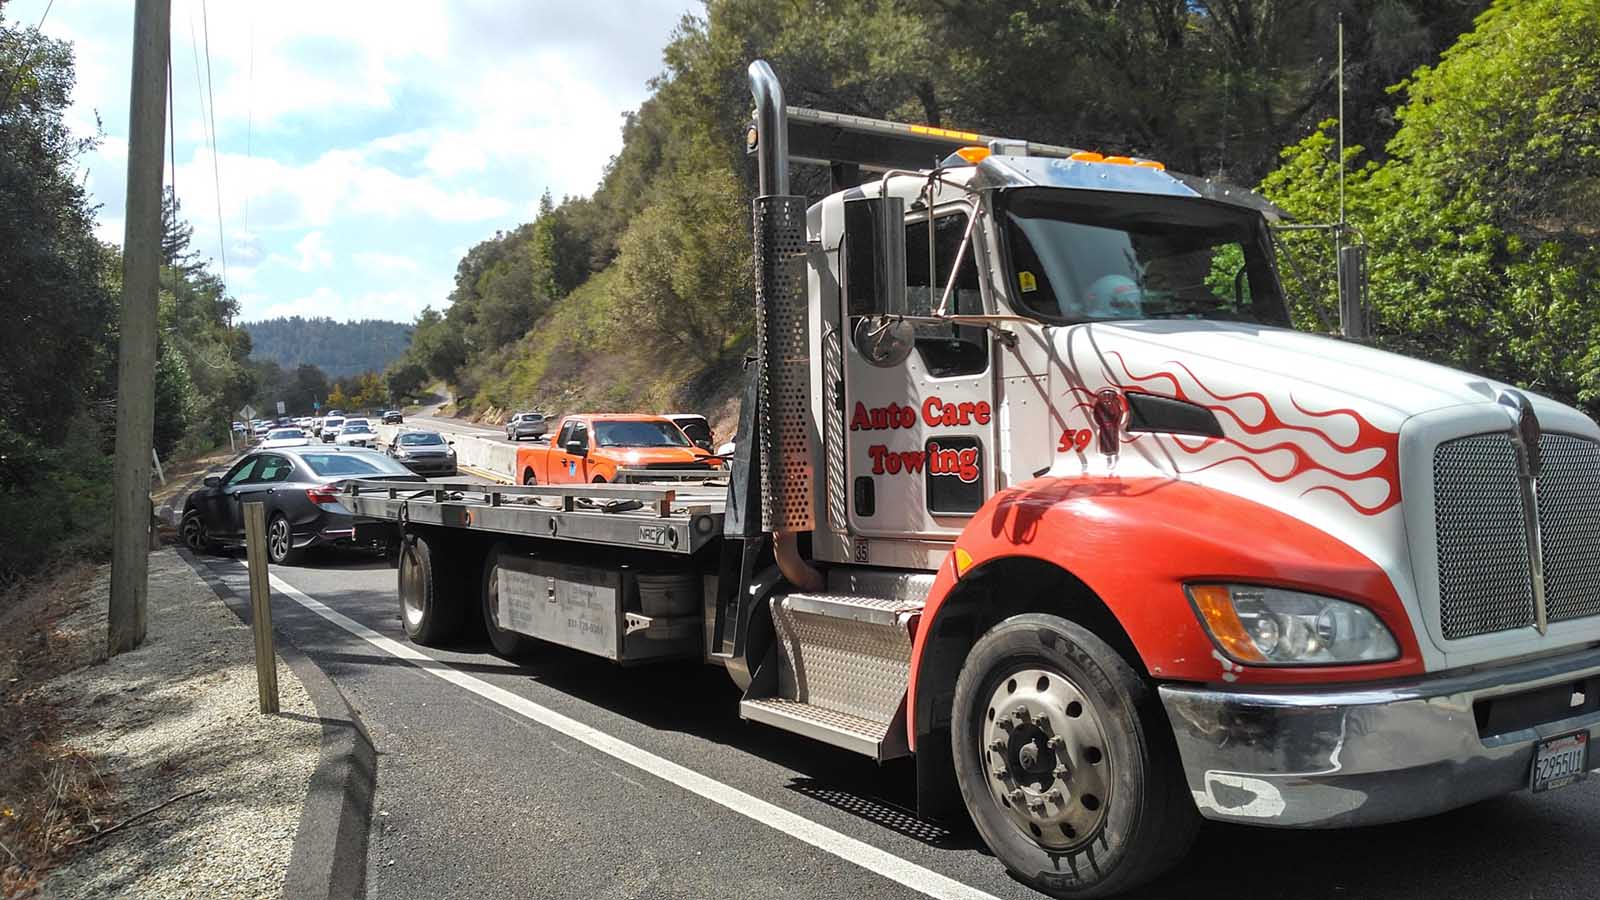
1086 156
973 155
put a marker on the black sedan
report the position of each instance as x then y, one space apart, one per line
300 487
424 452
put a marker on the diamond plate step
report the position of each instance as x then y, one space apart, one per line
828 726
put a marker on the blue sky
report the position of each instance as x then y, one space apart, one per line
362 147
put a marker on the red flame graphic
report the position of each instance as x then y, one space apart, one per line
1368 437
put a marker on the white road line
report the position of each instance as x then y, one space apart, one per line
918 878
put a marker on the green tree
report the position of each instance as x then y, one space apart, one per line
1482 218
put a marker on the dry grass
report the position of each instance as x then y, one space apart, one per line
49 795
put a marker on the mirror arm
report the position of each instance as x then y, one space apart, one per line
961 254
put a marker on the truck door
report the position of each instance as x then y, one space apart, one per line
569 468
920 435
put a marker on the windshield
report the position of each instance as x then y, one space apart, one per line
284 434
357 428
696 429
638 433
1086 257
352 465
333 422
416 439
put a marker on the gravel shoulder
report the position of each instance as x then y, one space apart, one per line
179 715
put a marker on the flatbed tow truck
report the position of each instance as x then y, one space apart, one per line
1034 483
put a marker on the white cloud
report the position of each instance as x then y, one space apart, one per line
355 137
313 252
398 305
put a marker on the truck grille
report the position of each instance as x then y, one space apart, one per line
1485 583
1569 524
1485 576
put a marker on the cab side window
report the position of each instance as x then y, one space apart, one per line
945 350
273 468
242 472
566 433
580 433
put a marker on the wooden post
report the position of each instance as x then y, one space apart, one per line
136 346
255 542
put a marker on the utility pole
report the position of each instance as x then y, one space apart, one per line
136 351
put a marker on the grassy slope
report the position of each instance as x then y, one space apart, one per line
581 357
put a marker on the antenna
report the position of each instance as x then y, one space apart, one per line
1341 125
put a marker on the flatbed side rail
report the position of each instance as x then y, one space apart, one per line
598 495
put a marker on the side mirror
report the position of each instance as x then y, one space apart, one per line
703 444
451 443
874 278
212 481
576 448
875 256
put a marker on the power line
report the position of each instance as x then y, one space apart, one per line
249 120
172 146
216 163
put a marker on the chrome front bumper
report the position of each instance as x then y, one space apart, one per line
1362 756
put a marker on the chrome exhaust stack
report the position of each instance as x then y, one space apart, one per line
783 336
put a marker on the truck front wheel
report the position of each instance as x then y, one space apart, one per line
1065 760
430 605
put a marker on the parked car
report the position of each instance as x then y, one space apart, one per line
424 452
592 448
357 433
393 417
260 430
525 425
335 413
330 428
285 437
238 426
694 427
300 487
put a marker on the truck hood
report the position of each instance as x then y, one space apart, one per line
1386 387
655 456
1308 421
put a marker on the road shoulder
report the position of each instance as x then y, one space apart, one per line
329 858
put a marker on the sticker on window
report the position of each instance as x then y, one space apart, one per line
1027 282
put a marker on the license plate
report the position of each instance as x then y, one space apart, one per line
1560 761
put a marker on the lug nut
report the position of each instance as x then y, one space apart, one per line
1054 797
1036 805
1063 773
1021 716
1000 774
998 746
1057 742
1016 795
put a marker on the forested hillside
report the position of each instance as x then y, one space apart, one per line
640 294
337 348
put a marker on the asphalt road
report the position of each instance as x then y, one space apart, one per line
499 779
462 426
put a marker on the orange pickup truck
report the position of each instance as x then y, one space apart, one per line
590 448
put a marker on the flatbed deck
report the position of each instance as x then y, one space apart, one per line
679 518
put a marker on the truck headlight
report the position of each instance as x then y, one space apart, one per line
1265 626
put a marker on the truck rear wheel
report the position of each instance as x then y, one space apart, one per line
430 593
508 644
527 477
1066 762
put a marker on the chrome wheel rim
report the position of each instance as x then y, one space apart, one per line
411 588
278 539
194 533
1043 747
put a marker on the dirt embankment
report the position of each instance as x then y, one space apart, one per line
92 744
